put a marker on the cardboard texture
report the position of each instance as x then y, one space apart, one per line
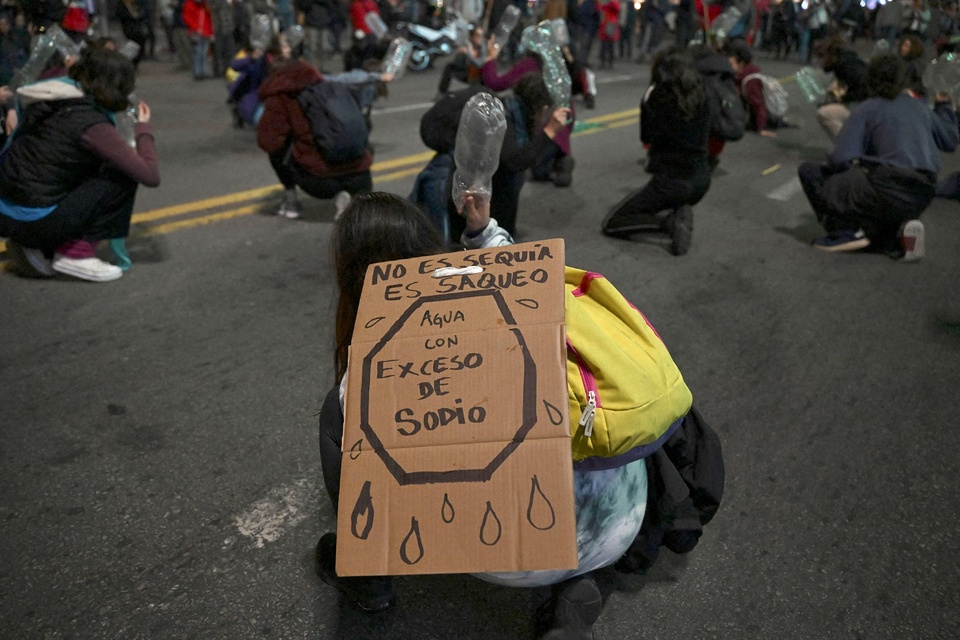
456 438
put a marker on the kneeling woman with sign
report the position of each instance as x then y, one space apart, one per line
615 523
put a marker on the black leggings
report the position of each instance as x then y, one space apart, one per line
98 209
331 437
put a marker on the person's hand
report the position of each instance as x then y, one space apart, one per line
944 97
143 112
492 50
476 209
766 133
11 122
386 77
558 120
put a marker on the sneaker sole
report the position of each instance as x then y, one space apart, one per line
579 607
912 239
109 276
853 245
39 268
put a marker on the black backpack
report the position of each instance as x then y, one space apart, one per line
438 126
336 121
728 116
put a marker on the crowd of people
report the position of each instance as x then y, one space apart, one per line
69 175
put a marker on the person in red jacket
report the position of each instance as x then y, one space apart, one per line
359 10
285 134
751 90
199 22
609 31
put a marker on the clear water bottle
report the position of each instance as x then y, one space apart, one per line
477 152
40 53
561 35
501 33
64 43
942 75
725 22
813 83
126 121
397 57
130 50
376 25
540 40
294 35
261 32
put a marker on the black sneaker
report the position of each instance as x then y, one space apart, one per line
563 175
371 594
680 227
589 101
848 240
578 607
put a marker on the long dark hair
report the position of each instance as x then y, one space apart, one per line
106 75
532 91
375 227
673 71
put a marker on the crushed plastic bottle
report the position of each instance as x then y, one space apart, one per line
508 21
396 58
40 54
376 25
261 31
477 152
725 22
294 35
813 83
130 50
540 40
942 75
561 35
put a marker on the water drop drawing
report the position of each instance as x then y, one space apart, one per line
554 414
490 528
373 321
529 303
447 512
540 512
356 449
413 536
361 521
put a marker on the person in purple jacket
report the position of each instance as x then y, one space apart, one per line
68 178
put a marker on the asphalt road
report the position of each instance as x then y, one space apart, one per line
158 459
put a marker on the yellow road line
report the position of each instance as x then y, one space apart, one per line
198 205
632 120
633 113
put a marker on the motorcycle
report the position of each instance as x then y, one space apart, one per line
427 43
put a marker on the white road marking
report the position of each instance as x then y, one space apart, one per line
281 509
405 107
787 190
614 79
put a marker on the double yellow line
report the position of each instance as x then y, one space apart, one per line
183 216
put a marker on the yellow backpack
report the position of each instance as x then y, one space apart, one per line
625 391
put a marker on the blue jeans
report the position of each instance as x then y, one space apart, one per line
200 47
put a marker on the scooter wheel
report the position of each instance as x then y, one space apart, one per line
419 57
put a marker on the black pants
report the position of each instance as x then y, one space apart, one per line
331 437
293 175
877 199
459 68
664 191
99 209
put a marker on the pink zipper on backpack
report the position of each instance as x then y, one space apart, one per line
593 394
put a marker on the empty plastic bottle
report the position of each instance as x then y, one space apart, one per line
477 152
813 83
508 21
130 50
294 35
40 53
395 61
942 75
561 35
376 25
725 22
126 121
261 31
64 43
540 40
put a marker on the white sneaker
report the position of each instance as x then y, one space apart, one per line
290 211
911 240
91 269
35 263
341 201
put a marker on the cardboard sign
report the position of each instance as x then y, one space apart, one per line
456 438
